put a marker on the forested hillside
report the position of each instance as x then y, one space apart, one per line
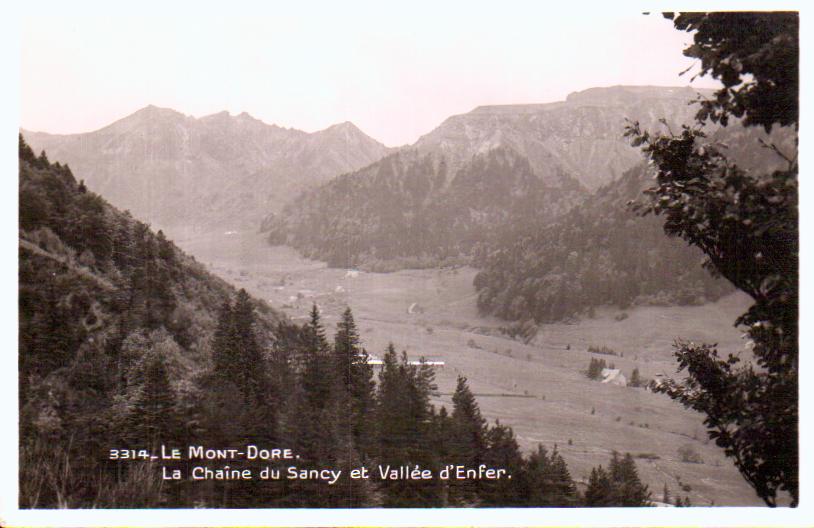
599 253
104 304
127 344
410 210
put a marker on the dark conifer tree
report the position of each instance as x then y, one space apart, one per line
251 365
468 443
153 418
42 161
548 481
563 486
222 347
628 489
503 452
25 152
355 376
404 419
599 492
635 378
316 420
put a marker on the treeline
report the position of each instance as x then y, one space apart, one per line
322 399
126 343
409 210
599 253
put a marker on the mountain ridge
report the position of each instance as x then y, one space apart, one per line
581 135
219 171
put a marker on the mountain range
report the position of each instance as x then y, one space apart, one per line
580 137
223 172
478 180
218 172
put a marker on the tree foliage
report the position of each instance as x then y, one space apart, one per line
746 223
596 254
755 56
617 486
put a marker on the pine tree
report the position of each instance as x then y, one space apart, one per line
390 404
628 489
502 452
317 415
635 378
153 419
251 365
355 375
42 161
404 418
317 377
25 152
595 368
548 481
223 345
468 443
599 492
240 379
564 488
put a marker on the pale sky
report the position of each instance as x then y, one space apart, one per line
396 72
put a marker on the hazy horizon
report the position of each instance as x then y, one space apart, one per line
394 77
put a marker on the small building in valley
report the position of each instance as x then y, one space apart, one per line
614 377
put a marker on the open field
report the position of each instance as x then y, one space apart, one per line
586 419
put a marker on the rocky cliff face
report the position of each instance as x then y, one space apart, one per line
217 172
581 136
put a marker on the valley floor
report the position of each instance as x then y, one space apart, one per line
540 388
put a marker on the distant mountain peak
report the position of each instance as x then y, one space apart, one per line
219 171
625 94
343 127
223 115
153 111
581 136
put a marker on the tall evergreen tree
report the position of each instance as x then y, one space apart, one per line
599 492
223 343
153 419
628 489
503 452
404 419
547 481
468 443
317 415
318 375
355 375
253 376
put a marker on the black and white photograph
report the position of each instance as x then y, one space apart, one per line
328 257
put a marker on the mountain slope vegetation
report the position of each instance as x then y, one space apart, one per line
127 345
409 210
101 299
598 253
